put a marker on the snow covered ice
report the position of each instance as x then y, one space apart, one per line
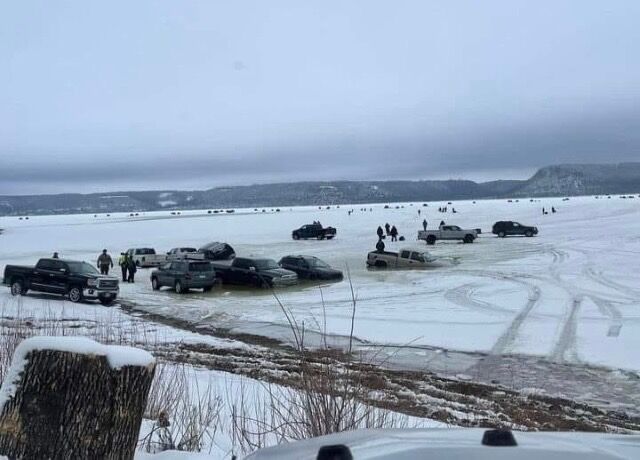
571 294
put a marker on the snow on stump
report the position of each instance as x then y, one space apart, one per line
70 397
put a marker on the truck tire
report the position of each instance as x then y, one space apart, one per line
75 294
431 239
155 285
468 239
179 288
528 233
17 287
296 236
502 234
320 237
380 264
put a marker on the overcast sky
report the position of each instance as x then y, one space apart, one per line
98 96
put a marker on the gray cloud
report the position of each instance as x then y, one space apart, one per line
198 94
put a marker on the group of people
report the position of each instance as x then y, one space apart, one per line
125 261
544 212
446 209
390 230
128 267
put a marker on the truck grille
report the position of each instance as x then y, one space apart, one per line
108 284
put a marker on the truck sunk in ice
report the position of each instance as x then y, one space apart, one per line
406 258
257 272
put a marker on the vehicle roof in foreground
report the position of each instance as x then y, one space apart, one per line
460 443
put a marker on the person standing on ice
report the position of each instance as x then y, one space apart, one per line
105 262
553 210
380 245
543 213
424 224
442 223
387 227
380 232
123 262
131 267
394 233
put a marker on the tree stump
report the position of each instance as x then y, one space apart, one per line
73 398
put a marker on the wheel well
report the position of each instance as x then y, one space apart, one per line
17 278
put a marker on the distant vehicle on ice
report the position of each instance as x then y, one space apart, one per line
313 231
406 258
75 279
184 275
146 257
448 232
309 267
506 228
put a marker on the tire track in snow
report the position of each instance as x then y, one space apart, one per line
604 281
463 296
567 339
508 337
610 310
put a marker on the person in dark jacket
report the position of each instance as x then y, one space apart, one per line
424 224
132 269
380 246
55 255
394 233
387 228
380 232
442 223
104 262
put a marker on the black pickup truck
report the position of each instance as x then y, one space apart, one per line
263 273
313 231
75 279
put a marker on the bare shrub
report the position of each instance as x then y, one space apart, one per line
329 396
185 417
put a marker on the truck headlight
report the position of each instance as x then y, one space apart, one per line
92 282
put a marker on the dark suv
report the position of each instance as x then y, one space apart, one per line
309 267
506 227
184 275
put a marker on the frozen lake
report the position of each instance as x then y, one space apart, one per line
571 294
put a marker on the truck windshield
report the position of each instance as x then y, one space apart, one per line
266 264
82 268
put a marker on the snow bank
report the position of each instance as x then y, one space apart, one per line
117 356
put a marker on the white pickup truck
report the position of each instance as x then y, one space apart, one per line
406 258
448 232
146 257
